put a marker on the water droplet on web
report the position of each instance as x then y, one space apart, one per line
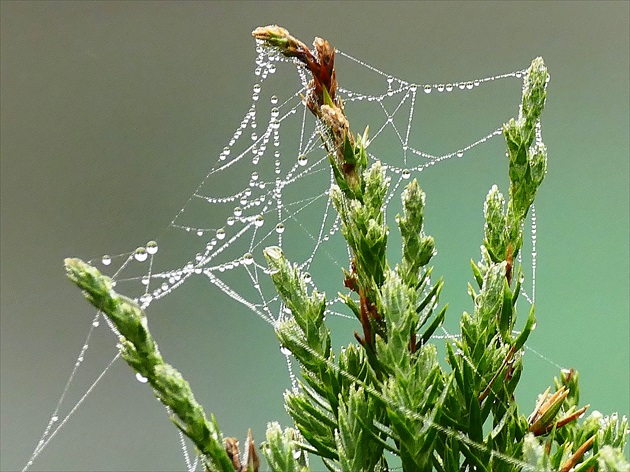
54 419
238 211
413 87
272 68
254 136
199 232
459 153
256 88
461 85
427 89
141 254
145 280
449 87
476 83
406 174
280 228
141 379
259 221
307 277
469 85
220 233
152 247
302 159
440 88
274 100
254 176
275 112
106 260
285 351
96 323
297 454
230 221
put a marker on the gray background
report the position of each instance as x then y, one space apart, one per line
110 111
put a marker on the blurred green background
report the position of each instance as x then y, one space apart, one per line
113 112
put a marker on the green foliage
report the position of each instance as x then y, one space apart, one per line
389 393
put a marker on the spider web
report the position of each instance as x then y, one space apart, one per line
268 188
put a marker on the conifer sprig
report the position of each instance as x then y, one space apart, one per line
389 393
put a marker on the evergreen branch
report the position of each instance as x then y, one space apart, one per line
390 393
139 349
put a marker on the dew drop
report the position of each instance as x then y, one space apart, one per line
427 89
96 323
248 259
413 87
141 378
302 159
54 419
259 221
307 277
440 88
230 221
285 351
141 254
257 88
297 453
469 85
449 87
106 260
459 153
152 247
199 232
406 174
238 211
220 233
146 280
274 99
254 176
280 228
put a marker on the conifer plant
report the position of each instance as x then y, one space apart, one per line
387 395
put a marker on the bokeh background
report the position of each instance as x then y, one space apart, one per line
112 112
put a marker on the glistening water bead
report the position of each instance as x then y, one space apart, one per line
152 247
140 254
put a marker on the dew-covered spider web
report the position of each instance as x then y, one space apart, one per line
269 187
